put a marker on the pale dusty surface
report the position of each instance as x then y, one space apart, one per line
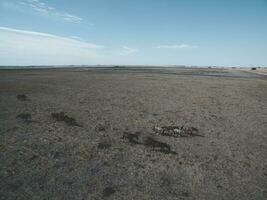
42 158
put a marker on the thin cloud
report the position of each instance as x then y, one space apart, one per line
124 51
23 47
178 46
51 36
28 47
43 8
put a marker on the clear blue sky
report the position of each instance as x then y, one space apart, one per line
160 32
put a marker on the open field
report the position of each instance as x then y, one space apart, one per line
91 134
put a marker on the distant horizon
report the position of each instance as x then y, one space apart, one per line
121 66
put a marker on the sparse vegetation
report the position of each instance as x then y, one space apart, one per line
26 117
108 191
104 145
158 146
131 138
62 117
22 97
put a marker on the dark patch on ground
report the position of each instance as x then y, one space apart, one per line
56 155
138 165
165 182
132 138
108 191
26 117
177 131
104 145
219 186
33 157
158 146
185 194
61 117
22 97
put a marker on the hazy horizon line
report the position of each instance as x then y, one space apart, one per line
122 65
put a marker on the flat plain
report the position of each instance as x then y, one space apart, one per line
89 133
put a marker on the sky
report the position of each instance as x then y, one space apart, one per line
133 32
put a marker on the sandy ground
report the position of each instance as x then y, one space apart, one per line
260 71
88 134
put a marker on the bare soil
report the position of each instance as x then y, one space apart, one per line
90 134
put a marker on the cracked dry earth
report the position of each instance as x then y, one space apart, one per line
88 134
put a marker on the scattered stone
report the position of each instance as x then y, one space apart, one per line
61 117
177 131
100 128
22 97
56 154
